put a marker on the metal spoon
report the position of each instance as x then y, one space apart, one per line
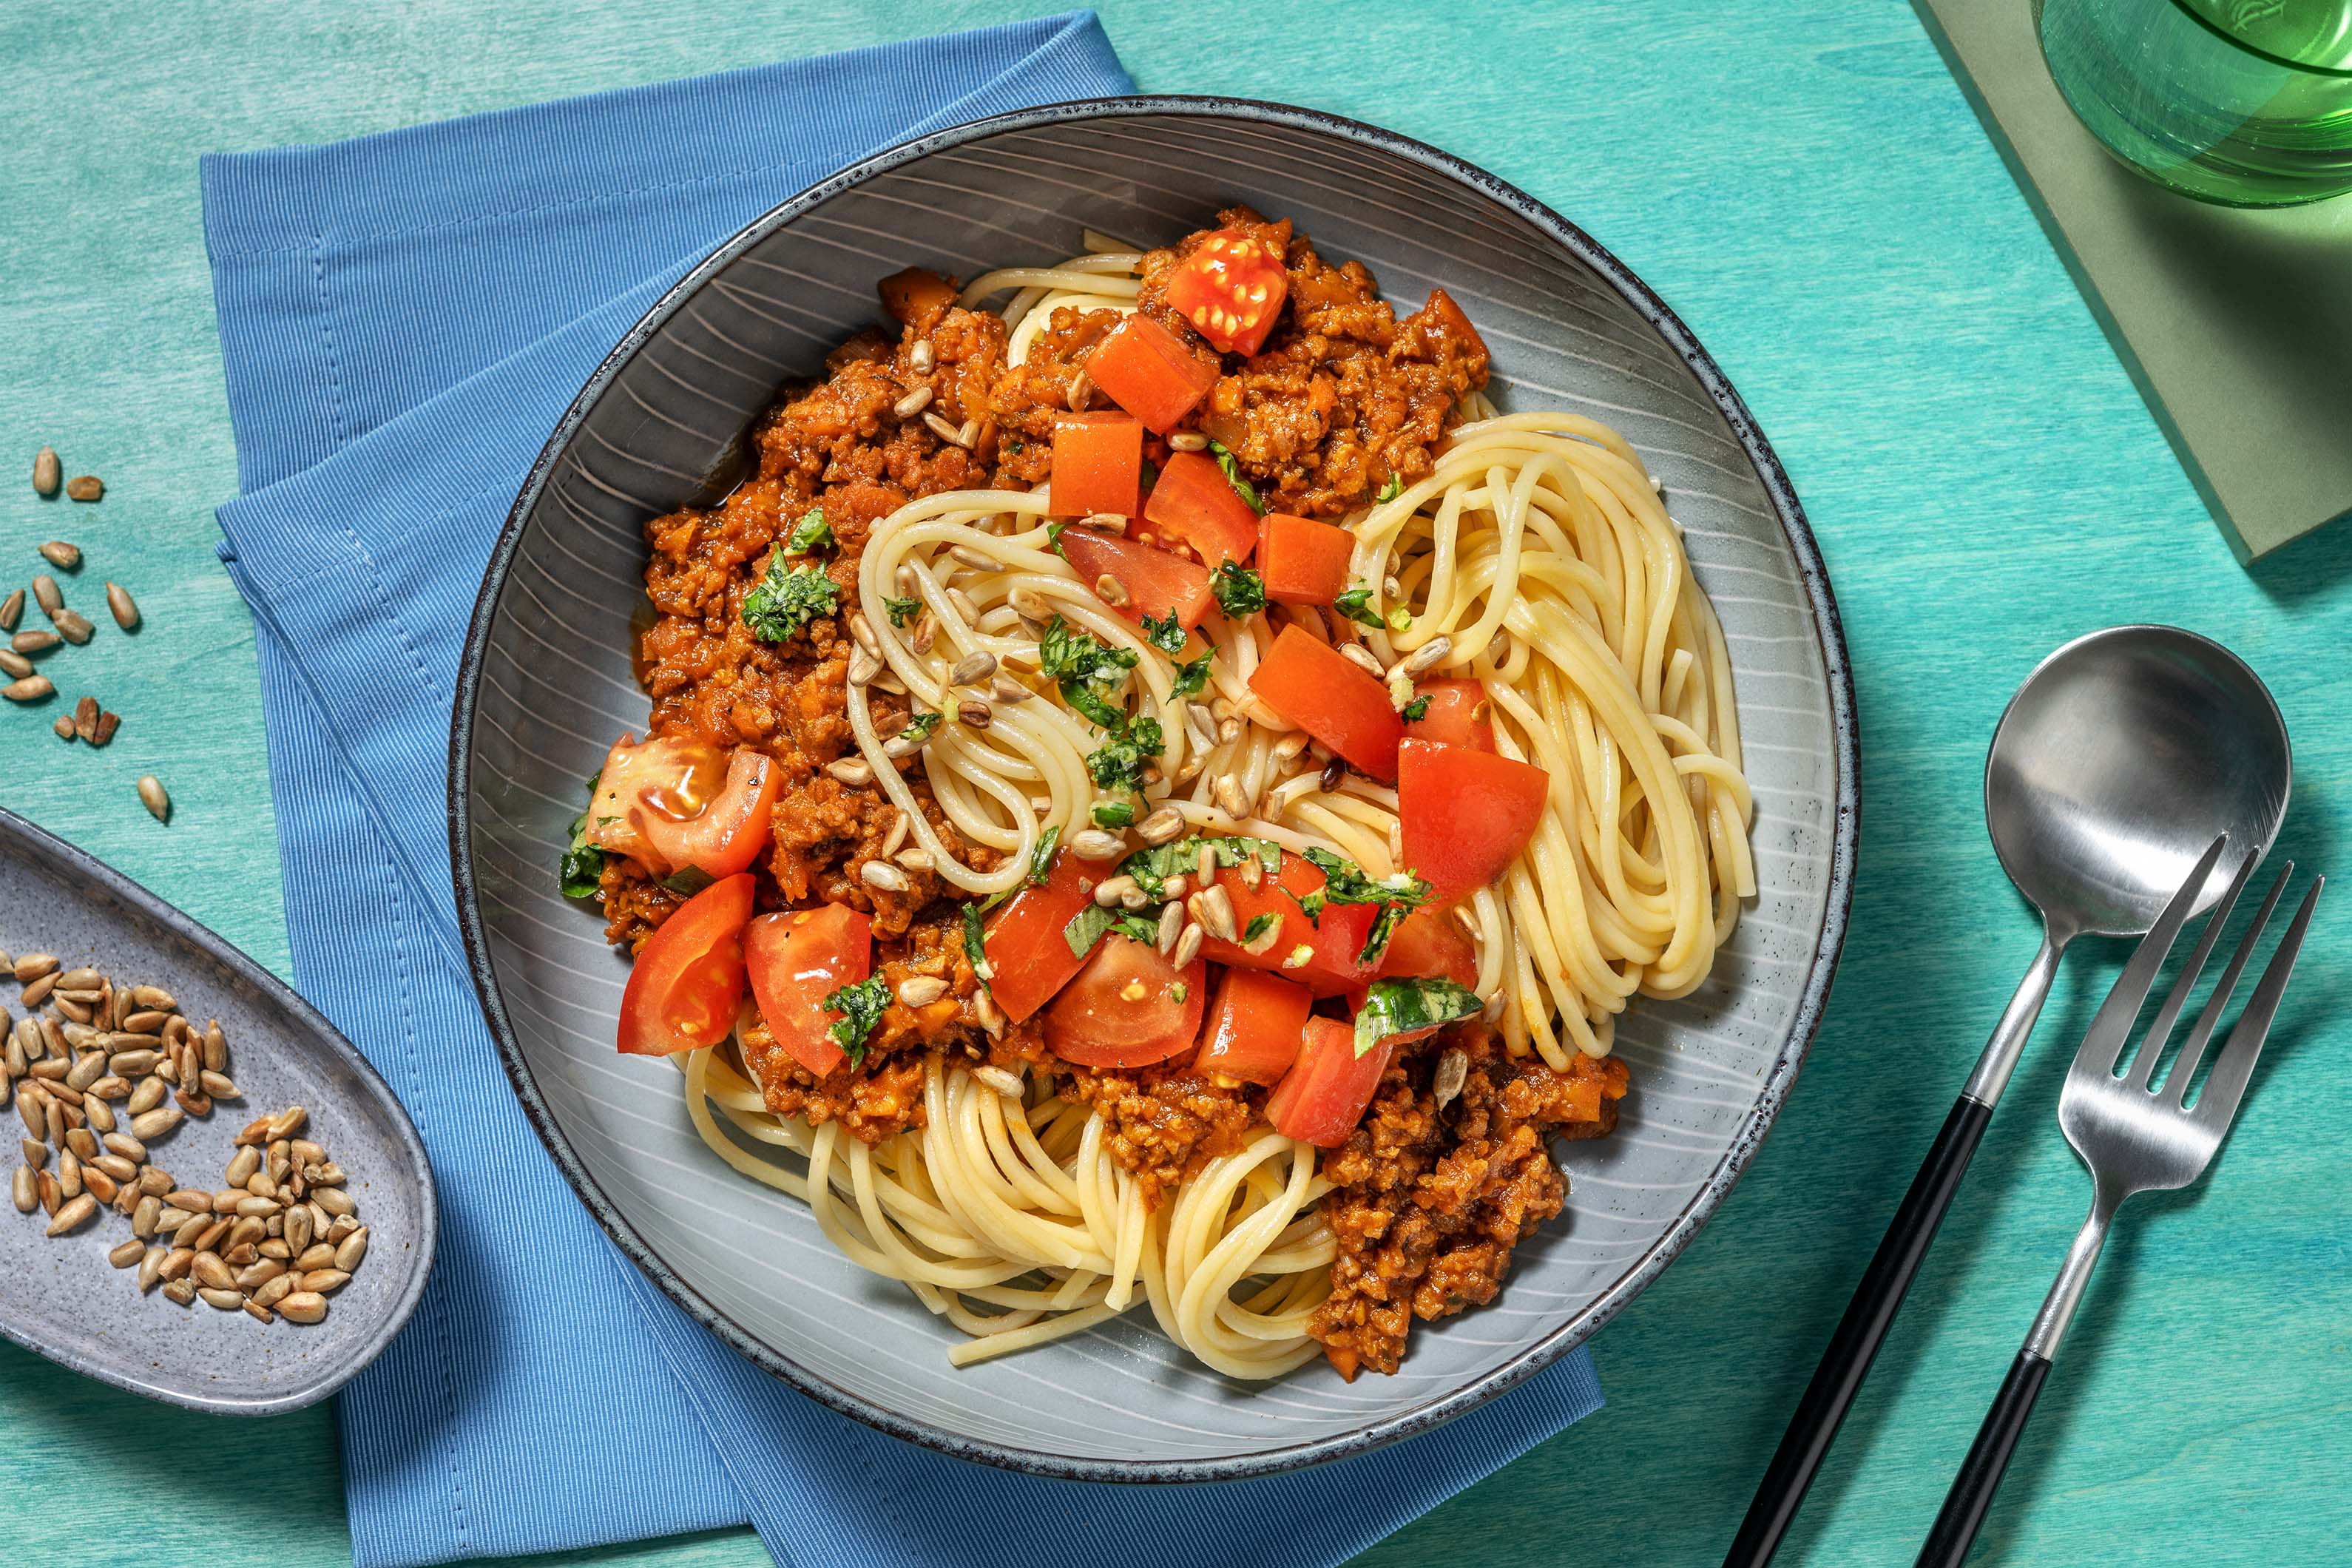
2120 759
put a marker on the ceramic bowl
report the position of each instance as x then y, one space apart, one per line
546 686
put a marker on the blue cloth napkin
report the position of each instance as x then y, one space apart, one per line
404 318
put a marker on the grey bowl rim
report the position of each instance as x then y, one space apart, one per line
78 861
1828 630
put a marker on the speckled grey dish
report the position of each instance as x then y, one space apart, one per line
546 686
60 1297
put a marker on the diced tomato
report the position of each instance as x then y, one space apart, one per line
1255 1026
797 960
1158 583
1334 940
1303 562
1194 502
1097 465
914 292
688 977
1321 1099
1231 289
1428 944
1128 1008
1150 371
1338 703
1458 715
1024 942
673 804
1466 814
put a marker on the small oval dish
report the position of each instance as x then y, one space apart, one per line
60 1297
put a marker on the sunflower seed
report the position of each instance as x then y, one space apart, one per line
85 486
1363 659
914 403
320 1254
1094 844
26 1189
973 668
129 1253
88 1070
287 1123
344 1225
124 609
48 595
61 555
978 560
219 1086
12 610
917 991
1188 441
208 1269
922 356
883 875
144 1021
17 666
297 1231
1161 826
31 688
1230 798
303 1307
260 1273
1111 591
146 1095
256 1131
1427 657
135 1063
152 1181
180 1291
73 1008
153 796
73 1214
975 713
154 996
951 435
215 1046
225 1300
152 1124
51 1198
190 1199
1111 889
46 473
73 624
34 640
32 966
275 1290
145 1217
1188 945
1171 926
150 1267
926 631
1213 908
1005 688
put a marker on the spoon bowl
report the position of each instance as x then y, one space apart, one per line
2117 763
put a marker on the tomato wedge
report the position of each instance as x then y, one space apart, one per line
1097 465
1466 814
1321 1099
1197 505
1343 706
1158 583
797 960
1231 289
1150 371
1303 562
1457 715
1128 1008
1428 944
1333 940
1255 1026
1023 940
731 832
688 977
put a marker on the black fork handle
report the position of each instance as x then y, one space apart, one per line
1964 1506
1860 1333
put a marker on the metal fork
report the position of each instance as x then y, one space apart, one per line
2134 1138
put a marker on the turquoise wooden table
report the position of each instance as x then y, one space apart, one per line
1806 186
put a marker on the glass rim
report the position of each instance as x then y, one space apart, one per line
2337 73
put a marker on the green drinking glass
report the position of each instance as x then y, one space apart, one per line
2241 102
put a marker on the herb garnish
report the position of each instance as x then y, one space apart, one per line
1391 490
1344 882
920 727
1233 471
861 1006
1356 604
1166 633
1114 814
1259 925
1239 592
579 874
1041 867
1415 709
787 599
1406 1006
1153 867
1087 926
1085 671
1119 762
975 945
812 532
900 611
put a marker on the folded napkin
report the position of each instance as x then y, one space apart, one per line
404 318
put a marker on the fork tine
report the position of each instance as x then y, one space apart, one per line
2105 1040
2160 1029
2192 1049
2219 1103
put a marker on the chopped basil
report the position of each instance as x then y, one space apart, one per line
812 532
689 880
1089 924
920 727
1085 671
1233 471
1192 679
901 611
861 1007
1344 883
787 599
1239 592
1164 632
1356 604
975 945
1403 1007
1416 709
1113 814
1041 866
1259 925
1153 867
1119 762
1391 490
1178 991
578 875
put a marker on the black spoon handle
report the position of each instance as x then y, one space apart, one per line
1964 1506
1867 1318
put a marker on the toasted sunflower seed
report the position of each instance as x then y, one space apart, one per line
1111 889
129 1253
12 610
1161 826
225 1300
72 625
31 688
124 609
1363 659
287 1122
25 1188
273 1291
151 1125
1188 945
303 1307
180 1292
883 875
73 1214
146 1095
150 1265
921 990
153 795
1094 844
1188 441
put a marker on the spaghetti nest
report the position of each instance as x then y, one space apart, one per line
1536 558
